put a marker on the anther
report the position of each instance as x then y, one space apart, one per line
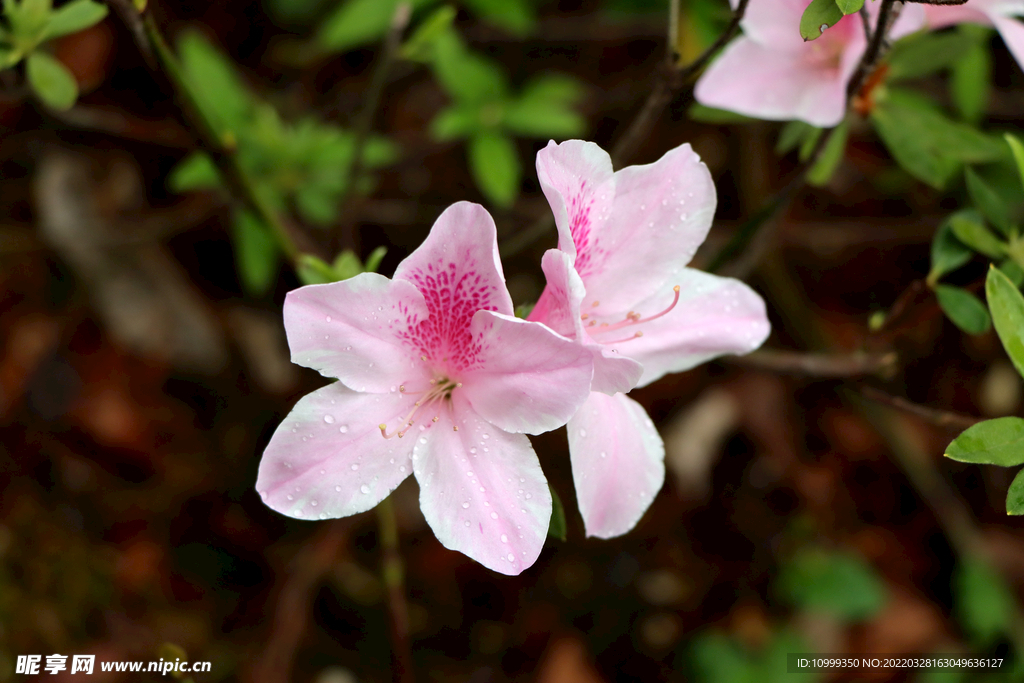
584 316
595 304
423 357
455 428
435 418
458 384
401 388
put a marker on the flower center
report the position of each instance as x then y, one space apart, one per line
440 390
632 318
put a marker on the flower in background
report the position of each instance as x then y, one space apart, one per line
997 13
770 72
618 285
436 378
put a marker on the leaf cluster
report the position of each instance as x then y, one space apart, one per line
29 24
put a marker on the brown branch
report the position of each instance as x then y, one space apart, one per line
886 17
819 365
393 573
946 419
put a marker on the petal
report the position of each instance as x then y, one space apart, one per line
774 22
912 18
577 179
772 84
618 463
714 316
457 266
482 490
328 458
1012 33
559 309
529 379
662 213
947 15
354 330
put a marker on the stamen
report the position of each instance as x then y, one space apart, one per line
441 389
435 418
401 388
584 316
619 341
633 318
455 428
595 304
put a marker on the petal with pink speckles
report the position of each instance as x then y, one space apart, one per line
482 490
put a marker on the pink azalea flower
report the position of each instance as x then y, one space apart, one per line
996 13
618 285
436 356
770 72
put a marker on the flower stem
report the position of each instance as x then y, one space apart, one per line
393 574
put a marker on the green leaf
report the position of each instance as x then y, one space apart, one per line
983 601
819 15
316 203
993 442
988 202
791 135
921 54
494 163
347 265
374 259
1013 271
195 172
963 308
27 20
73 17
1018 153
455 122
220 93
971 81
809 143
702 114
1015 495
51 81
833 582
523 311
355 23
849 6
313 271
926 143
465 75
948 253
543 119
557 528
516 16
830 157
420 45
970 229
1007 305
255 253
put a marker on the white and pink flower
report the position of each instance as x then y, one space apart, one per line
618 285
998 13
437 378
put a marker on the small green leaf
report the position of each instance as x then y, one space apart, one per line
830 157
374 259
924 53
195 172
702 114
523 311
313 271
992 442
355 23
516 16
837 583
420 45
1018 153
51 81
1007 306
466 75
557 528
819 15
316 203
455 122
963 308
1015 495
255 253
970 229
347 265
220 92
948 253
73 17
809 143
494 163
849 6
970 82
791 135
988 202
983 601
540 119
1013 271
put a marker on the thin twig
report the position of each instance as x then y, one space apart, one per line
394 580
886 16
364 122
946 419
820 365
202 129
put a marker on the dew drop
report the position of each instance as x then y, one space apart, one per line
328 318
364 489
337 488
465 505
343 429
467 522
823 27
329 419
473 449
529 496
313 503
494 515
469 474
603 454
504 538
583 432
402 468
511 557
486 435
423 439
290 497
355 467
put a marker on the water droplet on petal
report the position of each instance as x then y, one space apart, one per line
313 503
583 432
465 505
423 439
603 454
343 429
486 435
290 497
511 557
329 419
328 318
337 488
529 496
355 467
472 450
364 489
504 538
494 515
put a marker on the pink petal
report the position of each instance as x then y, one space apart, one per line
529 379
618 463
458 266
328 458
912 18
482 490
559 309
353 330
774 22
577 179
807 83
949 15
714 316
1012 33
662 212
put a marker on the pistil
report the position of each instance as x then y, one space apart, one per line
632 318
